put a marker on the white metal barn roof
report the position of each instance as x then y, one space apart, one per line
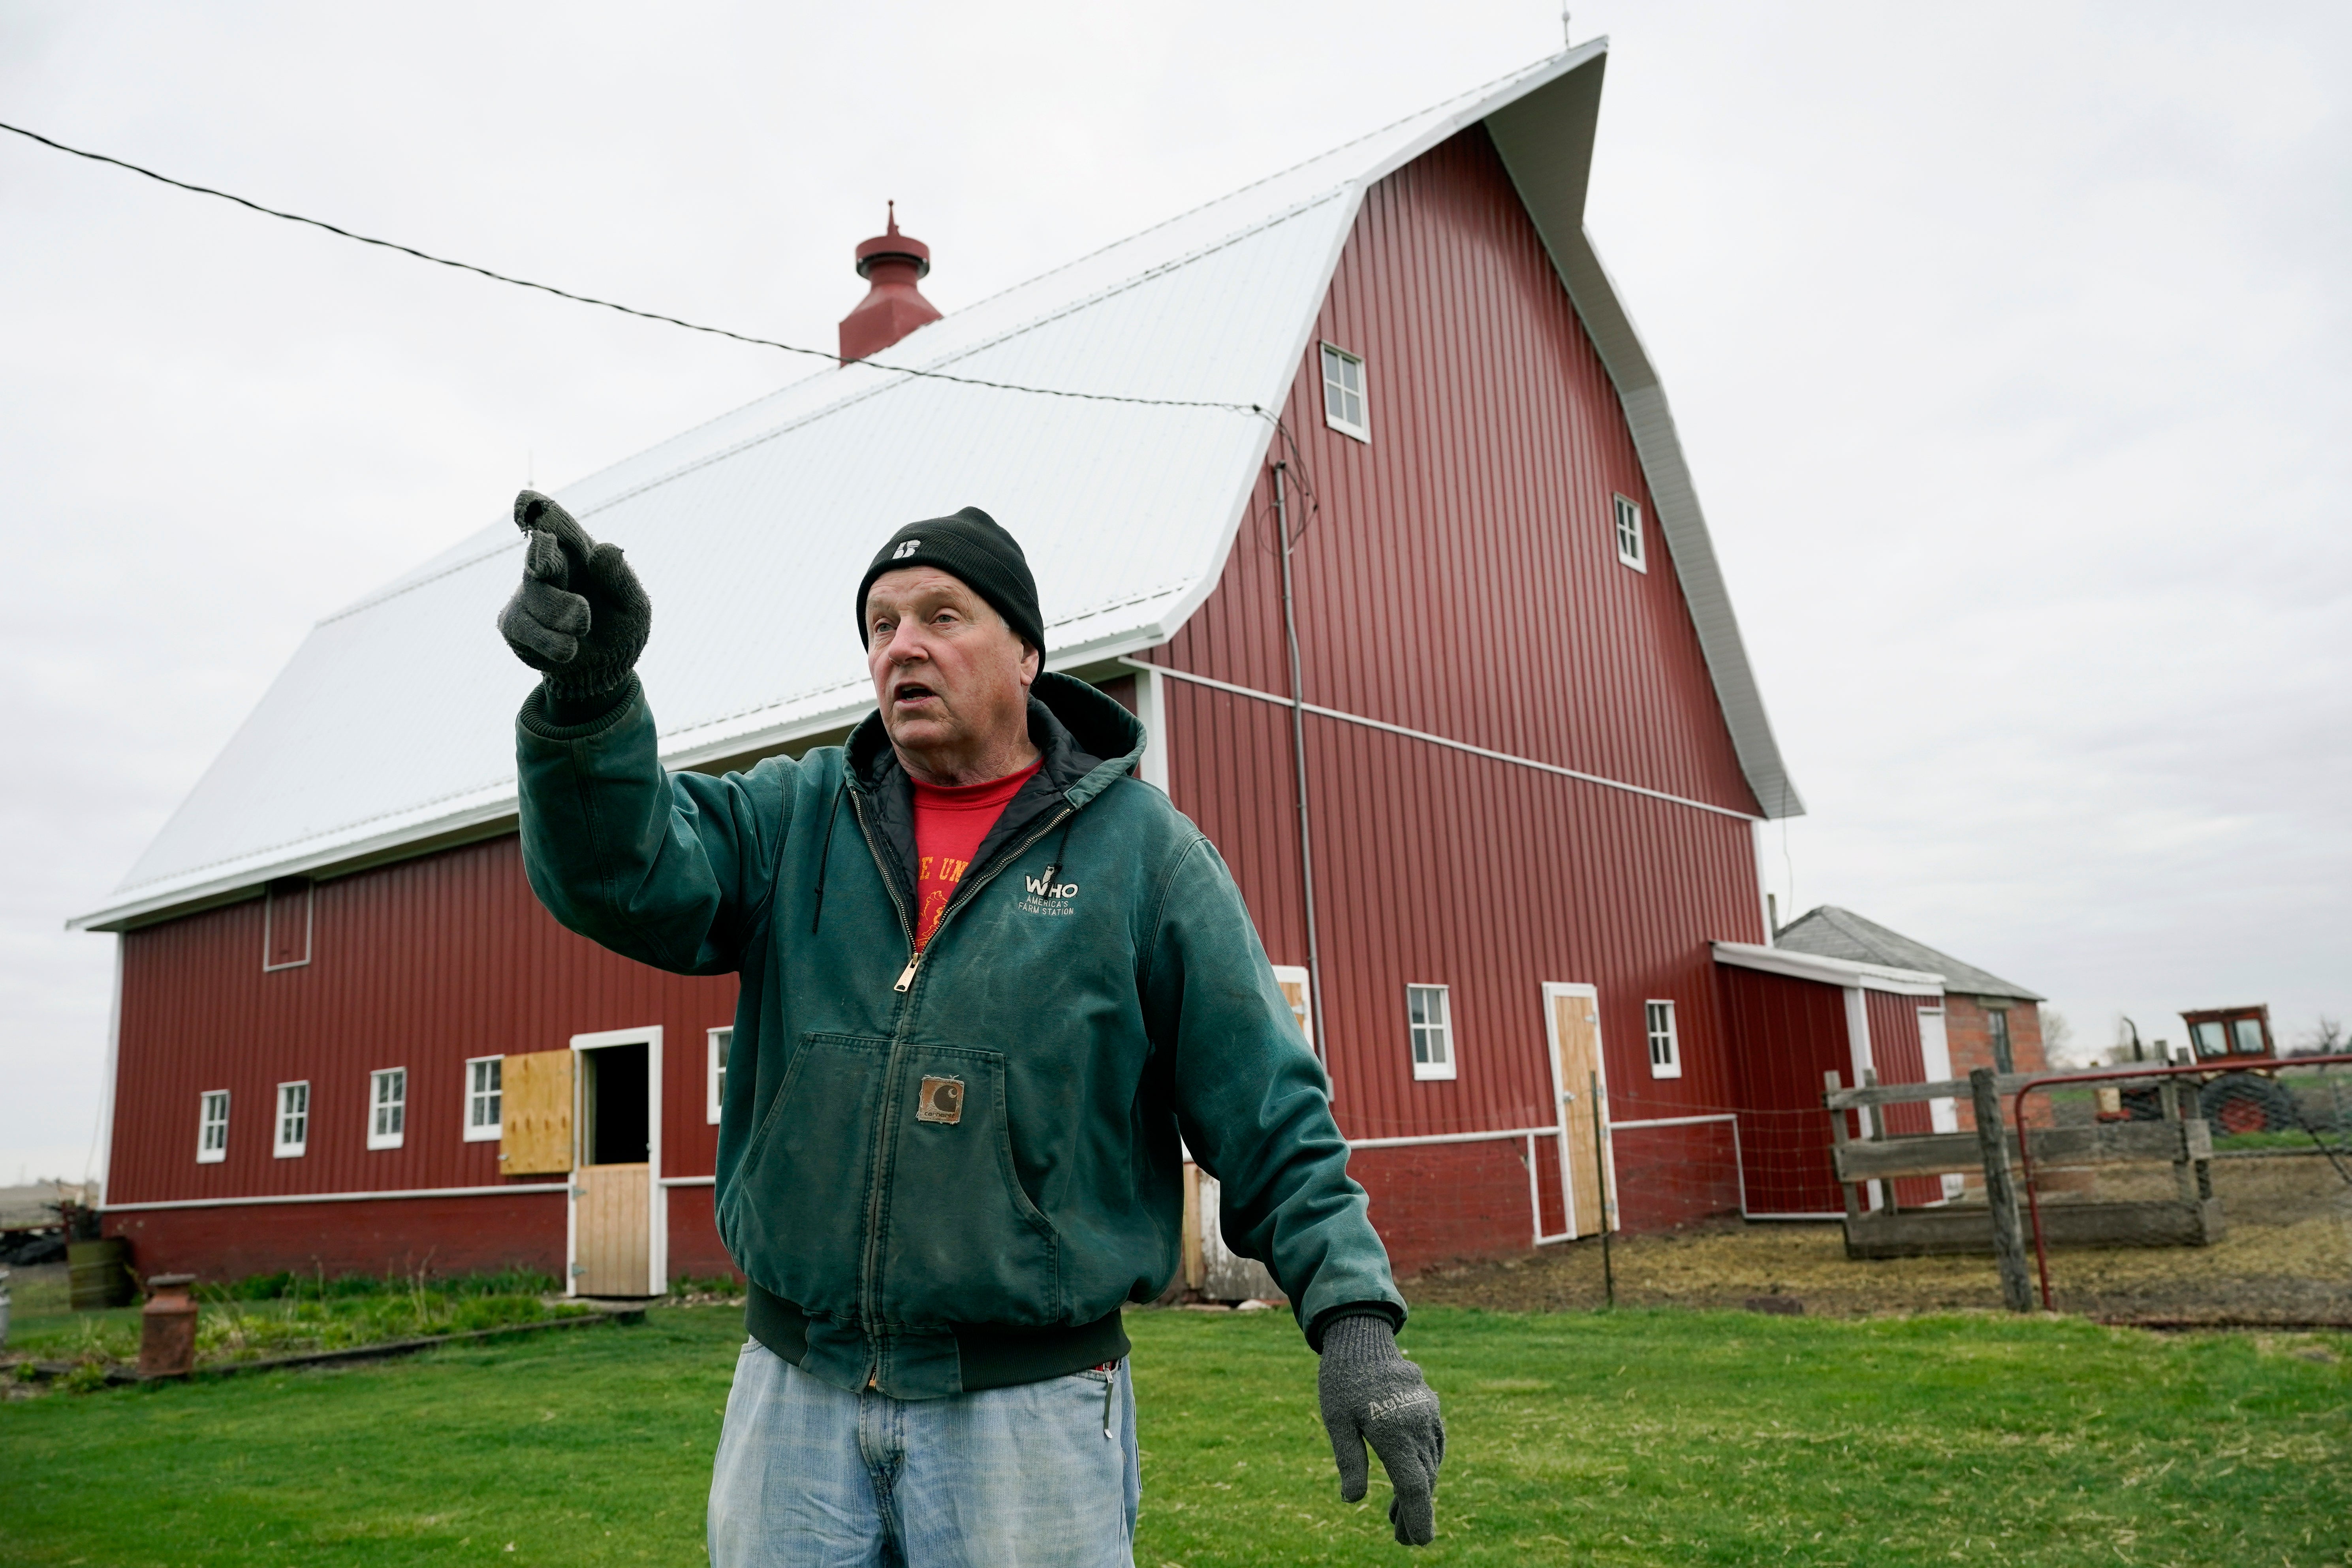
394 721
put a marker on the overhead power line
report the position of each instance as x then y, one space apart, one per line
613 305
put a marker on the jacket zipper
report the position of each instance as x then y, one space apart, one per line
886 1132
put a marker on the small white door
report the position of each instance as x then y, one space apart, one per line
1935 1055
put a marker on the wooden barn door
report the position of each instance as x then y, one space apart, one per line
1573 1021
615 1218
612 1220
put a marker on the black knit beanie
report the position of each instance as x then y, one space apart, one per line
968 546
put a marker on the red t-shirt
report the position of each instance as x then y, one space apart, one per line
950 822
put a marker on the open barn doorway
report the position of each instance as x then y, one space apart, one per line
618 1242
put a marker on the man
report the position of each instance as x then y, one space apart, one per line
988 980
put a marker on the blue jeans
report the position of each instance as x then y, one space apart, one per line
1043 1475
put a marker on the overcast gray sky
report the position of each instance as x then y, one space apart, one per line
2009 344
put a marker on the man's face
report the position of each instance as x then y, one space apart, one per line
950 678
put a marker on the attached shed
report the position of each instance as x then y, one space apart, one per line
1838 995
1377 401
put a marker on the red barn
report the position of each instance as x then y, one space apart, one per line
1377 517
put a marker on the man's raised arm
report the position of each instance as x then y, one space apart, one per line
668 869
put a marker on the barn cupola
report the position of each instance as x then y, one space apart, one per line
893 307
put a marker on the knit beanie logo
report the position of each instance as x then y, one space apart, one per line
971 547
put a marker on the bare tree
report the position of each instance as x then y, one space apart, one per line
2057 1038
2324 1038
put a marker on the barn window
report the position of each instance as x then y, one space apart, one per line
1433 1031
485 1092
293 1120
1629 534
387 1108
1665 1051
721 1039
212 1127
2004 1055
1343 393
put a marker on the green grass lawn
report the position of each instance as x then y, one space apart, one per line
1634 1439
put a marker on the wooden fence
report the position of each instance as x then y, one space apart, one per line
1988 1220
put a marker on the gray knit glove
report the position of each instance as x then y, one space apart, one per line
581 614
1371 1393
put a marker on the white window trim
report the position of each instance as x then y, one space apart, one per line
1425 1071
1619 506
279 1147
205 1154
714 1075
1360 430
386 1140
490 1132
1673 1065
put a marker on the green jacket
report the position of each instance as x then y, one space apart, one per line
948 1174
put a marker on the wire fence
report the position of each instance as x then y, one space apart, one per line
2234 1204
2173 1197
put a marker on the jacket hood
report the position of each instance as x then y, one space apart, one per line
1087 739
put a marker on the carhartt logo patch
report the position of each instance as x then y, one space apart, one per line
942 1101
906 547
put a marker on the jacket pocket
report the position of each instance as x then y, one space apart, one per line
963 1242
795 1216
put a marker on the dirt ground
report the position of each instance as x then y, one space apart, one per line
2284 1257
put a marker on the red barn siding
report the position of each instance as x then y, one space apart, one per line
1898 1056
1458 576
420 965
1786 1033
695 1251
1669 1176
375 1236
1434 1203
1441 866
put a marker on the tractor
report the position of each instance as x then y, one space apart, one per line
2242 1097
2246 1097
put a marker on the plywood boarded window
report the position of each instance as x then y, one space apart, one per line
285 924
535 1135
